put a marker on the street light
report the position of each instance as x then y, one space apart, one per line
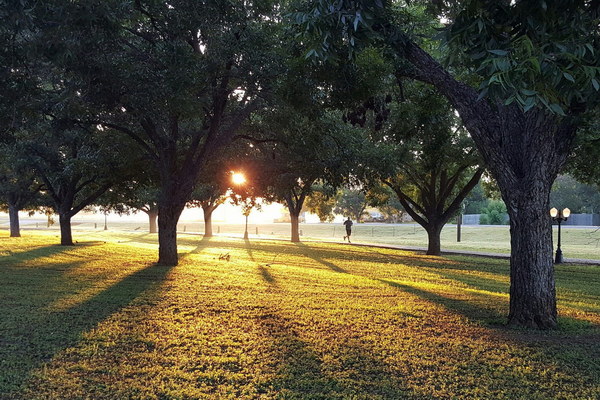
559 216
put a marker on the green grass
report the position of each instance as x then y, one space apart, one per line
309 321
577 242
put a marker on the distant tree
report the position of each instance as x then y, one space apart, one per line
211 191
427 158
385 200
321 201
476 201
19 187
352 203
494 213
579 197
583 163
76 168
132 196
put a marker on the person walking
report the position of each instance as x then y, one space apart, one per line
348 225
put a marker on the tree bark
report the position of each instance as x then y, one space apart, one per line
13 215
434 243
208 230
524 152
152 216
66 237
295 222
532 287
168 216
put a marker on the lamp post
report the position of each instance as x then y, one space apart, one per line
246 230
559 216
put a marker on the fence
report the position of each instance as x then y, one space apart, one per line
574 219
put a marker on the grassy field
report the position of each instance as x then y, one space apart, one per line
577 242
308 321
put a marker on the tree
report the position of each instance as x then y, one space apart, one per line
583 163
385 200
352 203
567 192
536 68
132 196
76 168
177 78
321 201
428 160
18 185
494 213
476 200
211 191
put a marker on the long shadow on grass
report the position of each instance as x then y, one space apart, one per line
302 374
462 307
39 337
32 254
264 272
311 252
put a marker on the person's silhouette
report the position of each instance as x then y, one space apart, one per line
348 224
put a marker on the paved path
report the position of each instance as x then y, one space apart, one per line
469 253
409 248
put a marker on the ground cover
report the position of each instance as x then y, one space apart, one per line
262 319
577 242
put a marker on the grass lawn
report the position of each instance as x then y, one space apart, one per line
278 320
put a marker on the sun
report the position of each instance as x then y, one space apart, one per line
238 178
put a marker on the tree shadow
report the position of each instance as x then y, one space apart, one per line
38 252
262 268
311 252
462 307
248 247
201 245
41 335
301 373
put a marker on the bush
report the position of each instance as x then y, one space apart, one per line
494 214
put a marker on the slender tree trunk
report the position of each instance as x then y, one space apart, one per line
168 216
434 243
13 215
152 217
295 219
66 238
208 230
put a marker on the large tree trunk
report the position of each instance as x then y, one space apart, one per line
13 215
295 219
434 243
208 230
168 216
66 237
524 151
532 288
152 217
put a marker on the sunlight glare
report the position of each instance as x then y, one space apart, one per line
238 178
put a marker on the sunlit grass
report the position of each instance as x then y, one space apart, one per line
577 242
278 320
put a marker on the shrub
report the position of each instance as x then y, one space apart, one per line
494 214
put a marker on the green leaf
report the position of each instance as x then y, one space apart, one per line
528 92
501 53
557 109
569 77
595 84
590 48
